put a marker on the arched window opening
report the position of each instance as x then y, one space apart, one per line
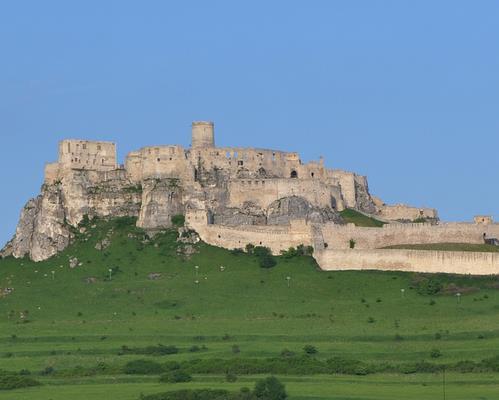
294 174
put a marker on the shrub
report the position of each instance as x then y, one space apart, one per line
427 286
338 365
270 389
309 349
261 251
237 252
249 248
175 376
267 262
351 243
435 353
142 367
11 380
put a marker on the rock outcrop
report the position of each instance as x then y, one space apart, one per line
231 187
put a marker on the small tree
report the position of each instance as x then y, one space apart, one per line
270 389
352 243
249 248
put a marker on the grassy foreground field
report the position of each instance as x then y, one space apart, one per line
68 326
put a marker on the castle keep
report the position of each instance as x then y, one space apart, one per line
234 196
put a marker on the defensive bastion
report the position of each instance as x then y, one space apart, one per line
234 196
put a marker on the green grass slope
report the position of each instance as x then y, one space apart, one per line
68 326
359 219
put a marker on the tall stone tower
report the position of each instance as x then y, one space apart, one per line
202 134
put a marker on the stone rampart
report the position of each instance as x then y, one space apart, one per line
277 238
339 236
453 262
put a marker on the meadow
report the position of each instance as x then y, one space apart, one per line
73 323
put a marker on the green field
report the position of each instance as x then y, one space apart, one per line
61 323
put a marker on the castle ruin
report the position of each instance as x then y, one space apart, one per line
234 196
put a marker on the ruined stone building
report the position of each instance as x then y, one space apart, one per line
231 196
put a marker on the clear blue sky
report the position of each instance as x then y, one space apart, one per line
405 92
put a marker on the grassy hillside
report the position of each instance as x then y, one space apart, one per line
74 329
359 219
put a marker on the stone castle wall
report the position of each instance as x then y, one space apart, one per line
451 262
263 192
339 236
277 238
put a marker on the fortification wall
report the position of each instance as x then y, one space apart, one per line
263 192
338 236
404 212
86 154
276 238
410 260
159 162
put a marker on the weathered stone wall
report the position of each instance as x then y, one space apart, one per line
263 192
276 238
410 260
159 162
406 213
338 236
86 154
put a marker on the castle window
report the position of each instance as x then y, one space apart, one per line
294 174
99 148
170 158
240 162
235 154
312 174
69 147
102 161
84 146
159 159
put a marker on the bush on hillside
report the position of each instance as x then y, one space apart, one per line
11 380
142 367
267 262
175 376
270 389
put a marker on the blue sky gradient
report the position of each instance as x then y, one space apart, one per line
405 92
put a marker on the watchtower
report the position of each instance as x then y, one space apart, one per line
202 134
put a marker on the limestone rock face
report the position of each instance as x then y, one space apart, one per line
248 214
282 211
42 230
161 200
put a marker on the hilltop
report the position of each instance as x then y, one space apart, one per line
74 325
